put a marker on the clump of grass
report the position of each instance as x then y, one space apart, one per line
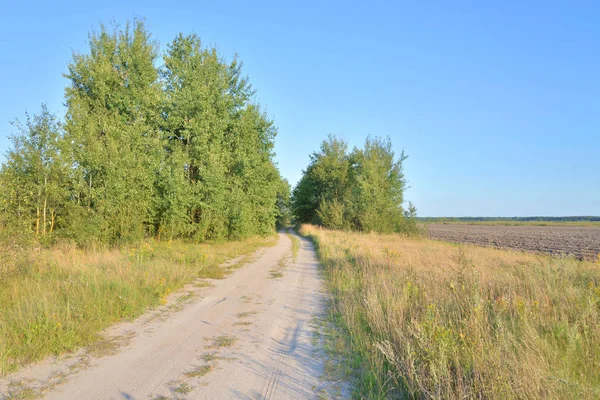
183 388
295 246
245 314
108 346
223 341
57 300
22 390
199 371
276 274
210 357
427 319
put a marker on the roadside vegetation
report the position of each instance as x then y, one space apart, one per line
177 151
159 160
423 319
59 299
361 190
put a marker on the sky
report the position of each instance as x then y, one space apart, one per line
496 103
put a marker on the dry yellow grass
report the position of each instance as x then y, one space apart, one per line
426 319
57 300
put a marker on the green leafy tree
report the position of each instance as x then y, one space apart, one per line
183 151
35 176
284 213
225 144
112 124
363 190
321 194
378 185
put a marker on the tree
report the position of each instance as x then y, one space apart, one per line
363 190
284 213
224 142
377 187
320 195
183 151
36 175
112 125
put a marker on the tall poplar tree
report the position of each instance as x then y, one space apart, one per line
113 104
222 141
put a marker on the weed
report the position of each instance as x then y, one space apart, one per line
199 371
21 390
109 346
415 318
223 341
183 388
276 274
245 314
209 357
295 245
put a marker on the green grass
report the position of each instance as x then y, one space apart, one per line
295 245
246 314
223 341
199 371
58 300
183 388
416 318
276 274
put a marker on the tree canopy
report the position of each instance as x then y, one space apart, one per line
360 190
180 150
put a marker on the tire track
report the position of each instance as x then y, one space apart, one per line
280 367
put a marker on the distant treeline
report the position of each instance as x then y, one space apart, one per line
510 219
361 190
180 150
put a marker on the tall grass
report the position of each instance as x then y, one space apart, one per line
56 300
426 319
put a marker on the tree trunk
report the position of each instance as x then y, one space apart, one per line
45 202
52 218
45 206
37 222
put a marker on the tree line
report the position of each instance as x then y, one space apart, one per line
176 150
361 190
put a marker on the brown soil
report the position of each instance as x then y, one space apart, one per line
582 242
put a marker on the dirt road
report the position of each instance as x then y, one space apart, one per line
249 336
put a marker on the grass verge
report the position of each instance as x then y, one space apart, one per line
295 246
425 319
57 300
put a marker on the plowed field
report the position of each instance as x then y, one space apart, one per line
582 242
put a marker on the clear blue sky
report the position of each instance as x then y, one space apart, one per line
497 103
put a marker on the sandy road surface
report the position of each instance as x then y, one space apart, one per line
250 336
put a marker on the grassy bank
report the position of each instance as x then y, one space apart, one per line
57 300
425 319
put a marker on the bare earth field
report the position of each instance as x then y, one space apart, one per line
582 242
